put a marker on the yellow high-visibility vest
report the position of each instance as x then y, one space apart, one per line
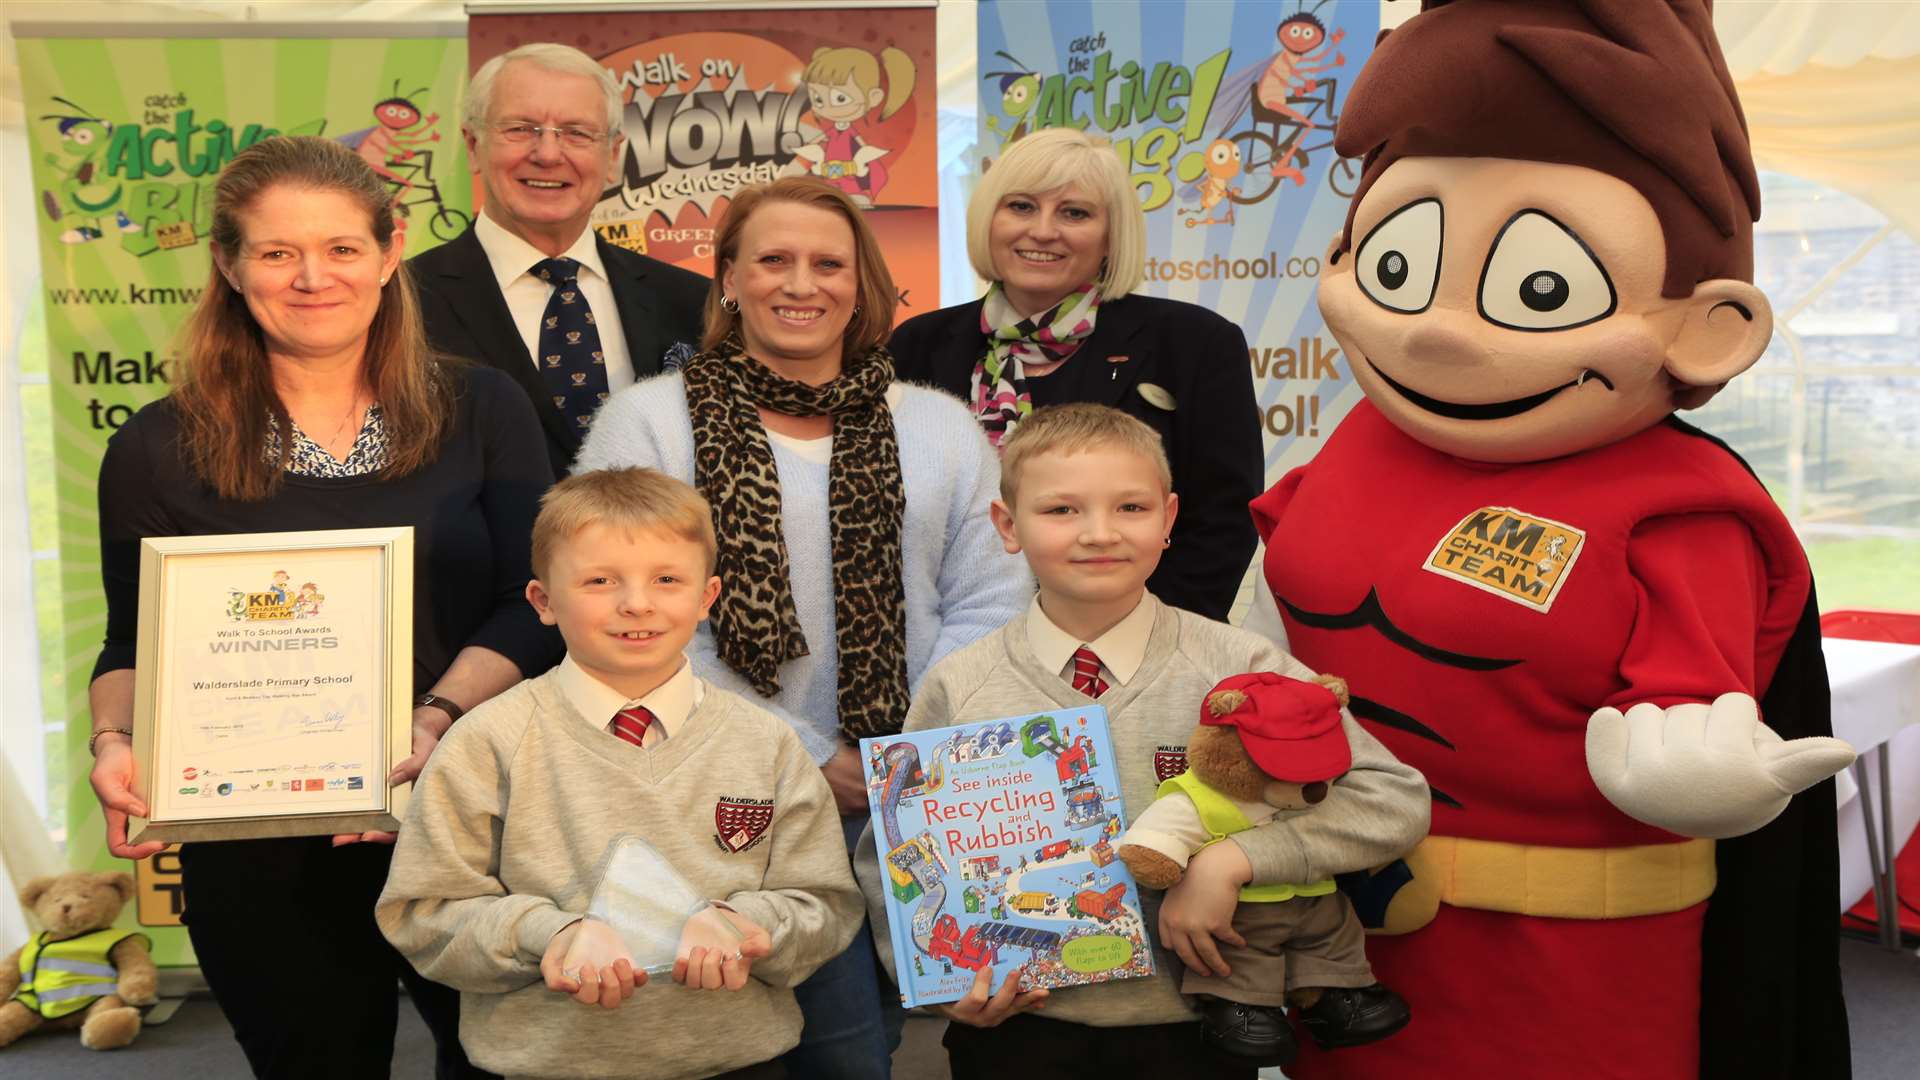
1221 819
62 977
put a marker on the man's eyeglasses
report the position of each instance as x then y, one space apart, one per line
520 133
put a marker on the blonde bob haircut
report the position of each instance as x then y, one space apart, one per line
1076 429
870 326
629 499
1053 158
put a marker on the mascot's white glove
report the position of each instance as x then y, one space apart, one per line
1710 771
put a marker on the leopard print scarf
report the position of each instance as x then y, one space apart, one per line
754 621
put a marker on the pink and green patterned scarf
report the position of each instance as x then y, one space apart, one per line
1019 348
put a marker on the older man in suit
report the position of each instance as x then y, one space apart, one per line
530 288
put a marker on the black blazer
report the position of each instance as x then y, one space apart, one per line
466 316
1212 433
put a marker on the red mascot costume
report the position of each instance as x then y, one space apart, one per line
1582 619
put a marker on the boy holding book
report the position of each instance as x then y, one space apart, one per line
518 816
1085 497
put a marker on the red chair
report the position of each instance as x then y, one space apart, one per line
1901 627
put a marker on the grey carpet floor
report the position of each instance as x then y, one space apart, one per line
1883 1005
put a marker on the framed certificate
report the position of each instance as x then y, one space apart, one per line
272 685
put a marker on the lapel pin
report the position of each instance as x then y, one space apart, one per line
1113 373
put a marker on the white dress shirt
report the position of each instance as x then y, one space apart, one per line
513 259
671 703
1121 649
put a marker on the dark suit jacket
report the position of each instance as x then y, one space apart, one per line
466 316
1212 433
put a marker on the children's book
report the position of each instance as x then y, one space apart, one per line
996 848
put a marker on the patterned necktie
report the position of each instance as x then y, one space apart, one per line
570 356
631 724
1086 673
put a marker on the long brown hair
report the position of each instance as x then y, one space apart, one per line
225 397
874 322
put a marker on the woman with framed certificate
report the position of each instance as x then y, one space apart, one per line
321 521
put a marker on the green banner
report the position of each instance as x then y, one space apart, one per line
127 136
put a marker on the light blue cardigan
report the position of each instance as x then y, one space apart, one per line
960 582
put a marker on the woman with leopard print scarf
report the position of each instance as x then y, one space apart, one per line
855 548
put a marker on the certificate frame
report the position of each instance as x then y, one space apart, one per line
383 557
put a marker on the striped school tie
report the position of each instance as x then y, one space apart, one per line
631 724
1086 673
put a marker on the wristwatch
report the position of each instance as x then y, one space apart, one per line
431 700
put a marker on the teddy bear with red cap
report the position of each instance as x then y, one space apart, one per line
1267 745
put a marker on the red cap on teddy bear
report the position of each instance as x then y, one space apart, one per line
1291 729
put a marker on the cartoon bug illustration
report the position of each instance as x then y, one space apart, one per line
1216 186
1283 98
83 195
392 140
1291 72
398 148
1018 89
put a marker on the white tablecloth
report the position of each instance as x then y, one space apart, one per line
1876 702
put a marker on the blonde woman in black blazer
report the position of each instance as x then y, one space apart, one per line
1057 230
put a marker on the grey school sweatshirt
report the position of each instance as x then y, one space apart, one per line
504 842
1372 815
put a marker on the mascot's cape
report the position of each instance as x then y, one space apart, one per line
1770 1002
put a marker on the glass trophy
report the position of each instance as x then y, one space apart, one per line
646 900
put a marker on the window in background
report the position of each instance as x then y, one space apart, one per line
1830 416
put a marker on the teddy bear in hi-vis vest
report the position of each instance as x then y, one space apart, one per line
1583 620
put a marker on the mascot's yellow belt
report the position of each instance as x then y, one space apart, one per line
1551 882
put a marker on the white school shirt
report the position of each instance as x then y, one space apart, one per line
513 259
671 703
1122 649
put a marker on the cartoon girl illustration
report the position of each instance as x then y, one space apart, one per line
309 601
844 87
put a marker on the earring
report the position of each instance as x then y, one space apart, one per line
856 311
383 283
730 305
1166 541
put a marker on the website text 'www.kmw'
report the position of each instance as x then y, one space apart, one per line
128 294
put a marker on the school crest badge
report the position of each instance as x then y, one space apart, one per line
741 823
1169 762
